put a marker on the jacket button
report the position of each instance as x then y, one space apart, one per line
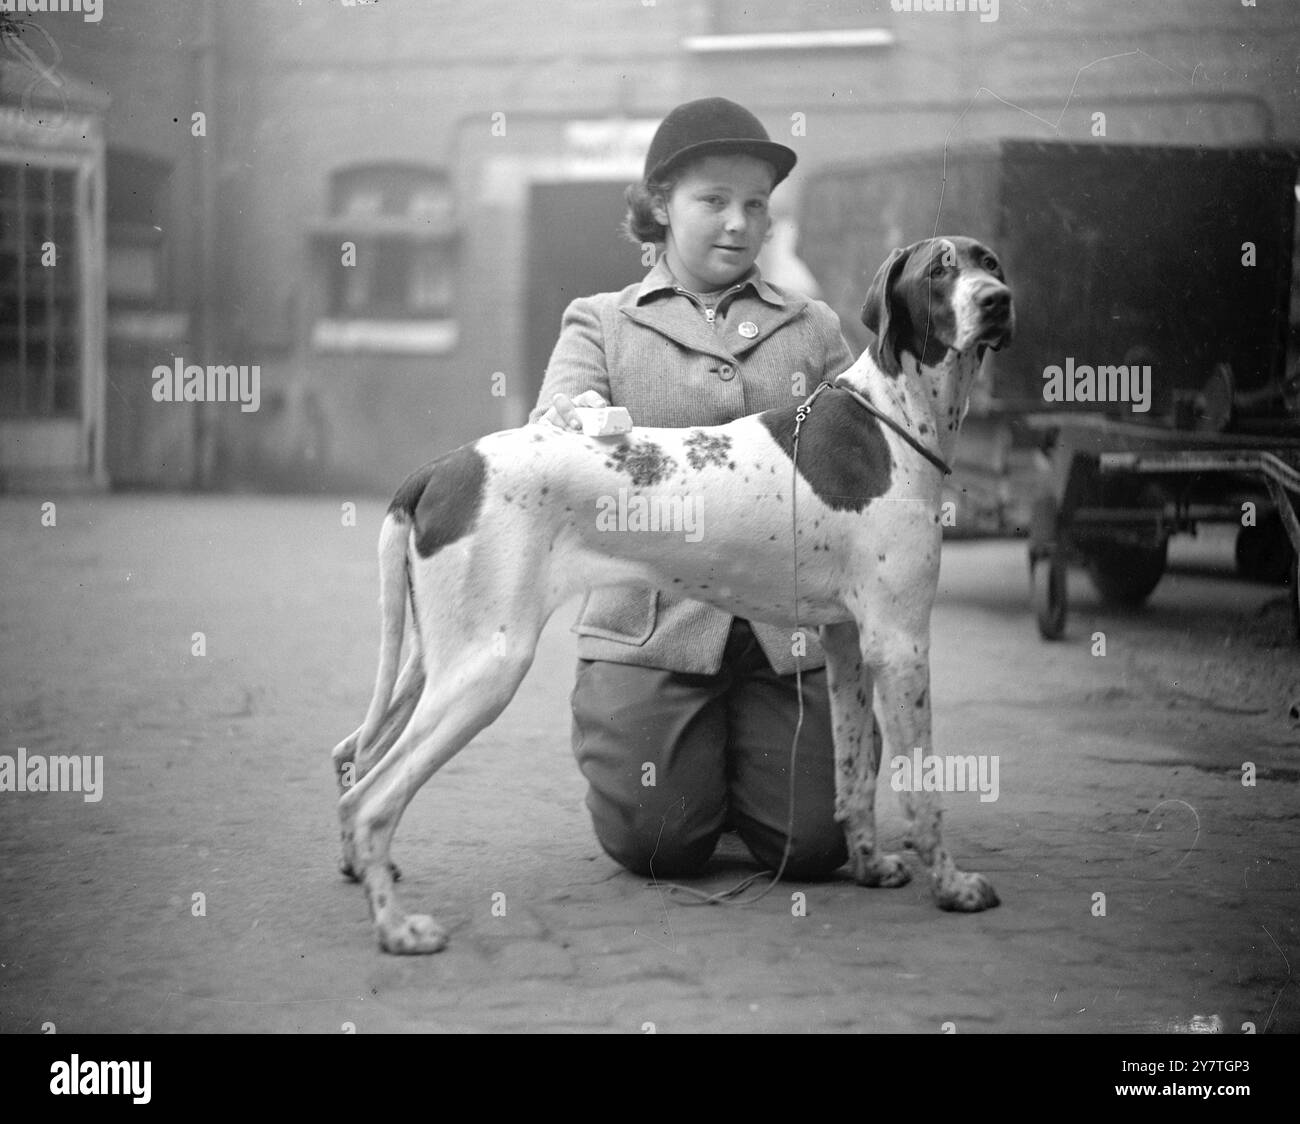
726 372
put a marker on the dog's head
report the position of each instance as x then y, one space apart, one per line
935 295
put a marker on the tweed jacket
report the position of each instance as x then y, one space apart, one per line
651 349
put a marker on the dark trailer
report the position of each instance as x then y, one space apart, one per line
1148 388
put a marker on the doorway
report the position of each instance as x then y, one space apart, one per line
575 249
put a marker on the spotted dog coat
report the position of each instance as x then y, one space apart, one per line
487 541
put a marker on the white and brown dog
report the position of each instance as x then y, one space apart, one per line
488 540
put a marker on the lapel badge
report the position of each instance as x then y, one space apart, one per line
748 329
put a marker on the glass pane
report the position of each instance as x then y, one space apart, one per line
33 379
63 187
10 376
62 231
9 236
33 313
364 201
358 282
430 280
40 307
391 277
430 204
67 390
8 291
67 372
34 185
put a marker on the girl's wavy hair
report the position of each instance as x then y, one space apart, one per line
639 223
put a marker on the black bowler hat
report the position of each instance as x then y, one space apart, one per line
709 126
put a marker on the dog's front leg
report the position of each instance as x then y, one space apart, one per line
903 688
857 757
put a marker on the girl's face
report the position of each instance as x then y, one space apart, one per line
717 220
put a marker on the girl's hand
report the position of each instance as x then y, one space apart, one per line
562 415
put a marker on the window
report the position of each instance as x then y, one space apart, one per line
40 298
136 201
400 220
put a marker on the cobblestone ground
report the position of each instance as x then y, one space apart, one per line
1119 775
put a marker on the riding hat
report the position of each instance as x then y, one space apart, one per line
713 126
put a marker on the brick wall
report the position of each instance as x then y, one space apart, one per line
308 88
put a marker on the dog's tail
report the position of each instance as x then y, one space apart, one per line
394 581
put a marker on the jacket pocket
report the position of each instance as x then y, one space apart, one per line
625 615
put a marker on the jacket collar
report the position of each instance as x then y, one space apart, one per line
660 279
650 308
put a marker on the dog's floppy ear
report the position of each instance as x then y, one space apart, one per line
877 310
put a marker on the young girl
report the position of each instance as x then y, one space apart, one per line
707 699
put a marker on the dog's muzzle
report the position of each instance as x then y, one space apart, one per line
997 316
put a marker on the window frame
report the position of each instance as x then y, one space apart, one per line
386 232
67 276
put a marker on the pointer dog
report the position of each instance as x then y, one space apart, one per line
488 540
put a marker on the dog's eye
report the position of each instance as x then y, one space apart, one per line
991 264
937 267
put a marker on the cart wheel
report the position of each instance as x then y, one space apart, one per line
1124 574
1047 591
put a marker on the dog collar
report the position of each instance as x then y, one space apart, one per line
915 442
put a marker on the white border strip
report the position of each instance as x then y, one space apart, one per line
396 337
792 40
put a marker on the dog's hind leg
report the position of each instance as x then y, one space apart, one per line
354 766
350 765
385 717
406 695
474 681
361 759
857 757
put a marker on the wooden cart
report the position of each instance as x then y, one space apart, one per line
1173 261
1114 493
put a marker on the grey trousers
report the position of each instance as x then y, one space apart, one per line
672 760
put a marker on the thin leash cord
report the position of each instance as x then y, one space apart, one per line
725 897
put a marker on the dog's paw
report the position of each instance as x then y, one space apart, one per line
965 893
880 871
416 935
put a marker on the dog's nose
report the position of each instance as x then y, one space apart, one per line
995 300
